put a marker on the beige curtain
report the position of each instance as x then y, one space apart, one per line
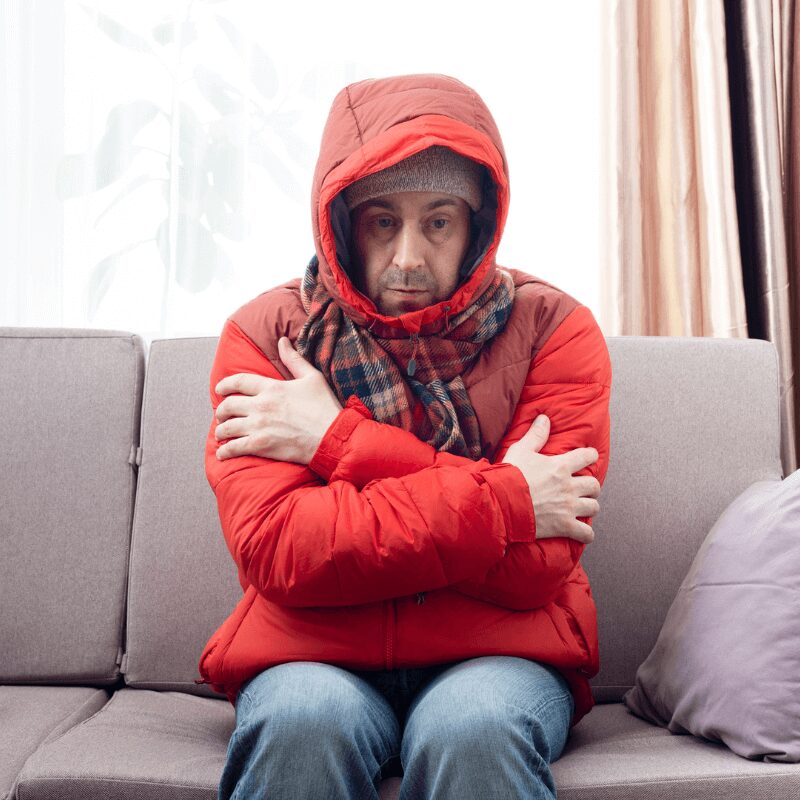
670 251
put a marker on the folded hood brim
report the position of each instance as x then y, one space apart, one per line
372 125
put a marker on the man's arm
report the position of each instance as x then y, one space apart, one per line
569 380
303 543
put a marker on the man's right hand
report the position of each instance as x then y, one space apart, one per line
559 497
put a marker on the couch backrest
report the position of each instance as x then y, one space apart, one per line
694 421
183 581
71 402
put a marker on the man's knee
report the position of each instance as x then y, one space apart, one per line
291 700
463 716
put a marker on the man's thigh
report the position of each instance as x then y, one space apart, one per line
490 693
300 713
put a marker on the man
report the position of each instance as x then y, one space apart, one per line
407 538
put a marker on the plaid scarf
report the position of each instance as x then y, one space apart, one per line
380 369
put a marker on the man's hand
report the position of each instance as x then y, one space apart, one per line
558 497
282 420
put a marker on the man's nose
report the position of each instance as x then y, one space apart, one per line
409 249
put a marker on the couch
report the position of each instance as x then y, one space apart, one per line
114 571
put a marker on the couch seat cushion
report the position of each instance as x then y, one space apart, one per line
612 753
142 744
31 715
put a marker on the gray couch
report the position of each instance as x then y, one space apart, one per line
114 571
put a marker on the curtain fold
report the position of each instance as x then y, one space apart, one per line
762 46
700 183
670 248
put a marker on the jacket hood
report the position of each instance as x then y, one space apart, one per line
375 123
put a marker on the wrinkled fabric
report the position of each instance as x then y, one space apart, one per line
375 368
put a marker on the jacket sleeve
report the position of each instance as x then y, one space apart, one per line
302 542
569 380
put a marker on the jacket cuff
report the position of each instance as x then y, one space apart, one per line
511 489
332 445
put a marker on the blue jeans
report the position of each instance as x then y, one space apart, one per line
485 728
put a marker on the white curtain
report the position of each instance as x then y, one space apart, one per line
157 156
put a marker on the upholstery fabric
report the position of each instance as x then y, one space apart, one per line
614 755
686 441
32 715
142 744
181 574
71 401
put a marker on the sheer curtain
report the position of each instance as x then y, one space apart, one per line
157 156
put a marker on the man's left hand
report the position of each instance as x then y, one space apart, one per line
282 420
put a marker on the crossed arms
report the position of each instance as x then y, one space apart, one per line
376 513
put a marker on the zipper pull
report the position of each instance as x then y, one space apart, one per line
412 362
420 598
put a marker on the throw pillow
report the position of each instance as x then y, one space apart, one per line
726 664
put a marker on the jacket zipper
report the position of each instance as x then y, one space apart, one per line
389 643
420 598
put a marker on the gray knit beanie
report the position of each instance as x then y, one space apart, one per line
435 169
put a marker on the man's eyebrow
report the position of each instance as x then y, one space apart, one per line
442 201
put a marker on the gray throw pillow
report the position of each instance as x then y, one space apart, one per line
726 665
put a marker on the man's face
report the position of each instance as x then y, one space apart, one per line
408 248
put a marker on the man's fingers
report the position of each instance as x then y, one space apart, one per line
241 383
235 426
298 365
232 448
581 457
233 406
587 486
587 507
537 434
585 533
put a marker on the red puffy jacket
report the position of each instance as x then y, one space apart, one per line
383 552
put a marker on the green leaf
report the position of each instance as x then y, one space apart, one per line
166 32
131 186
119 33
103 273
261 154
226 164
225 97
100 280
261 66
198 258
223 219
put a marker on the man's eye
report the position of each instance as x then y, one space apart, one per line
440 227
380 220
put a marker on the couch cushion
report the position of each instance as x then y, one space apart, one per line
183 581
31 715
71 402
142 744
158 745
693 422
726 665
613 755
